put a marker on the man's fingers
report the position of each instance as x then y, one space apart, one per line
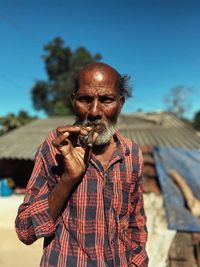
95 137
60 140
69 134
63 129
91 138
73 129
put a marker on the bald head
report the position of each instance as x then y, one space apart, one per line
99 74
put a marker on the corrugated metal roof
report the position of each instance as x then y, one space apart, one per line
23 142
158 129
144 129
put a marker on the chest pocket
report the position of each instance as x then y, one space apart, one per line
122 197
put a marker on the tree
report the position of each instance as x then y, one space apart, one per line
61 64
178 101
196 121
12 121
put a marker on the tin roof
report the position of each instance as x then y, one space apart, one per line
144 128
23 142
158 129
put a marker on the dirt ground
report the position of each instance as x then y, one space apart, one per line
13 253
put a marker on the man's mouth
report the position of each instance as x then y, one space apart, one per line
97 126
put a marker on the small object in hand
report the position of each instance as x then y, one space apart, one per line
89 140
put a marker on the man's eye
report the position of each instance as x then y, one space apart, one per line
85 99
106 100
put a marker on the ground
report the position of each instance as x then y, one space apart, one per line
15 253
12 251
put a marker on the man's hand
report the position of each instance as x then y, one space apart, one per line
75 157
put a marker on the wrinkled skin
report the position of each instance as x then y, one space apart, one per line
96 99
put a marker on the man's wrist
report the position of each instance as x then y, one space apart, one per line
67 181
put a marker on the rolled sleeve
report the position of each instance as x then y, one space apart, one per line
140 259
41 218
34 219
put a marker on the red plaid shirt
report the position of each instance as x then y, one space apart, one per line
103 223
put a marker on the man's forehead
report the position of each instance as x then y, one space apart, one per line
96 90
99 75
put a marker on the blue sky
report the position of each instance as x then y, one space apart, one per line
156 42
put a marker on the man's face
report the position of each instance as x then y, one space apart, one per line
97 102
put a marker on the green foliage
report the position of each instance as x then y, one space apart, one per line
61 64
196 121
12 121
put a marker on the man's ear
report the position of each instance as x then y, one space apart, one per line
122 101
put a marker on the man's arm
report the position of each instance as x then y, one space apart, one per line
59 196
137 223
75 159
33 219
39 213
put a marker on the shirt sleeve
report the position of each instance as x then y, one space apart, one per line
137 222
34 219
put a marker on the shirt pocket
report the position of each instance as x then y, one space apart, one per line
122 197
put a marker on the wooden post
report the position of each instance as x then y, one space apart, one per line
192 202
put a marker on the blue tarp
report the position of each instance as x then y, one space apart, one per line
187 164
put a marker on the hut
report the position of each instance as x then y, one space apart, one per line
18 148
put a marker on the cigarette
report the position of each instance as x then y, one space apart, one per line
89 140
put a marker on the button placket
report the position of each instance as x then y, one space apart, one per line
108 195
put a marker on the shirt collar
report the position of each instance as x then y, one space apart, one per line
122 147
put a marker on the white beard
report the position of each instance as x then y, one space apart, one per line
105 131
106 135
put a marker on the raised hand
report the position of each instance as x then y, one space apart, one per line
75 156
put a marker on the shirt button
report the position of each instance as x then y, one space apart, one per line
112 242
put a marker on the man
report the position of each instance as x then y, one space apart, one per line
85 193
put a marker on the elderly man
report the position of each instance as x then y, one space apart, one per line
85 193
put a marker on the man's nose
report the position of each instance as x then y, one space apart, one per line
94 110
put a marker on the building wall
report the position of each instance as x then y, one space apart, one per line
18 170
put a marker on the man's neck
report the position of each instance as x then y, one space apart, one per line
101 149
104 153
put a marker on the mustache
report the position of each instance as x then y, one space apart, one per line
103 127
96 124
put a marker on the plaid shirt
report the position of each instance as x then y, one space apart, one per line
103 223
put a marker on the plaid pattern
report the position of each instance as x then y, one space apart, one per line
103 223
